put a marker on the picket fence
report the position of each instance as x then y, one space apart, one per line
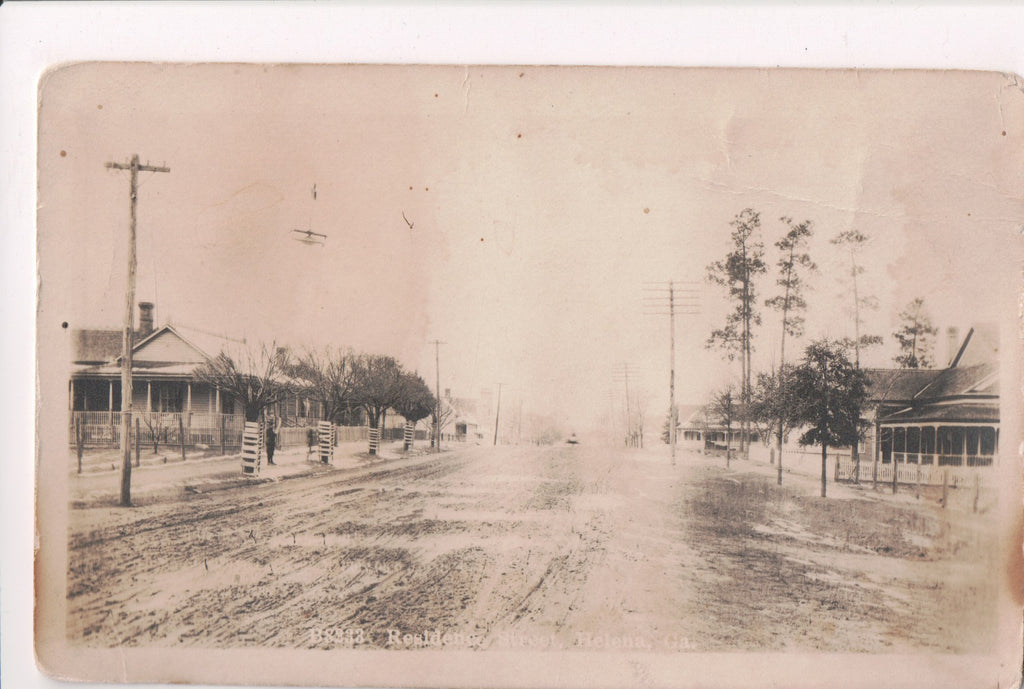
103 429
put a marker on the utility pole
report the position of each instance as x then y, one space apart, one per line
127 341
661 300
621 375
497 414
437 393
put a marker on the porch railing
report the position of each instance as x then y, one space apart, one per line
103 429
917 468
942 460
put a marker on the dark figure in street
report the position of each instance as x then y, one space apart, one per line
273 426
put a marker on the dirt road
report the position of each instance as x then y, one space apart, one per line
556 547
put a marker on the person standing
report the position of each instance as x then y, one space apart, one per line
273 428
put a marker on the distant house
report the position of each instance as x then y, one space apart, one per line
698 431
466 412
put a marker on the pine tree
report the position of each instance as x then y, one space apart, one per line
793 260
915 336
737 273
854 241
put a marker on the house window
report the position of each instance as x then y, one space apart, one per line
169 398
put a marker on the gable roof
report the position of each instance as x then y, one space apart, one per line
195 345
898 384
95 346
948 412
962 380
689 414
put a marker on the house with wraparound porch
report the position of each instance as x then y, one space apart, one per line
166 400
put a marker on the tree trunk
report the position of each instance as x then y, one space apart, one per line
824 468
779 457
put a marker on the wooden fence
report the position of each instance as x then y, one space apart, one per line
913 473
103 429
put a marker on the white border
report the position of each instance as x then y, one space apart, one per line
34 36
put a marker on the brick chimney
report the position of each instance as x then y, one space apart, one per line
145 319
952 343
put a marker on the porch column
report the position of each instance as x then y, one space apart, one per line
878 448
71 395
216 403
188 405
149 397
110 403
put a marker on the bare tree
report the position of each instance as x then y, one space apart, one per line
443 416
330 375
773 404
641 413
378 386
257 380
722 411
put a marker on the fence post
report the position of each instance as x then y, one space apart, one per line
138 442
181 435
835 475
945 487
222 424
895 473
917 488
977 490
79 441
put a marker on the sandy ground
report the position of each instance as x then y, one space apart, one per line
520 547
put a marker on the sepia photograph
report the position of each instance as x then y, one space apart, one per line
528 376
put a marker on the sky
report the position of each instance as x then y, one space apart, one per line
542 202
